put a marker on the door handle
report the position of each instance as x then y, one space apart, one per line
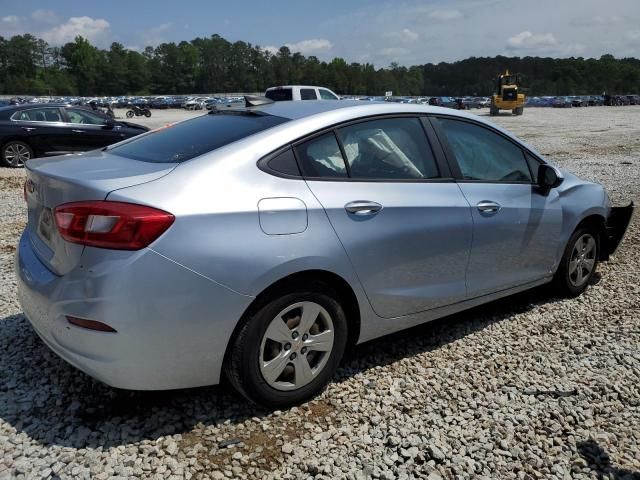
78 131
488 207
363 207
28 129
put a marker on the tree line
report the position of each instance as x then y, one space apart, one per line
29 66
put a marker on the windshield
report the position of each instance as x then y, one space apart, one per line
186 140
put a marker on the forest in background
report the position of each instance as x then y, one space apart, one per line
29 66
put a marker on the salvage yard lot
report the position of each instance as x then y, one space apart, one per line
531 386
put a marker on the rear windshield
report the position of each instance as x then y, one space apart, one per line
280 94
186 140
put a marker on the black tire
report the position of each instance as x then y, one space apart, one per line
563 280
518 110
14 153
147 114
242 363
493 111
130 114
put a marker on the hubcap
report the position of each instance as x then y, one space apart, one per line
583 260
296 346
16 154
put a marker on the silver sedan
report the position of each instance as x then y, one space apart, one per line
261 242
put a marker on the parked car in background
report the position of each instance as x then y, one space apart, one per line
300 92
634 99
562 102
263 243
28 131
577 101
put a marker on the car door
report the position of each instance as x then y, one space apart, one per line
516 225
403 222
90 130
42 128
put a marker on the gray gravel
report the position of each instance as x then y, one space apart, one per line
528 387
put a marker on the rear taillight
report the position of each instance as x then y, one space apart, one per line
115 225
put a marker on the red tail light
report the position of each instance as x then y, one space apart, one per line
115 225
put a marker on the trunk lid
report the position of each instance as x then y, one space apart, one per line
90 176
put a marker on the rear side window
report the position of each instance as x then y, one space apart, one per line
189 139
321 157
394 148
50 114
279 94
308 94
484 155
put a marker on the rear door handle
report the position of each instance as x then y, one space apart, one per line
78 131
363 207
488 207
28 129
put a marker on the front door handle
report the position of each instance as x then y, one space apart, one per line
488 207
28 129
78 131
363 207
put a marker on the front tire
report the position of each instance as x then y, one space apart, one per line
288 349
130 114
15 154
579 263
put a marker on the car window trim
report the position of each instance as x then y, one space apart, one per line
453 162
335 127
22 110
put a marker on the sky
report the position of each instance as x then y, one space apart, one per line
376 31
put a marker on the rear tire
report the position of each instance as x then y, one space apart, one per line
15 154
493 111
288 349
130 114
147 114
579 263
518 111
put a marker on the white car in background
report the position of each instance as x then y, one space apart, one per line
300 92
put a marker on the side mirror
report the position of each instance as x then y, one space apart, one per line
549 177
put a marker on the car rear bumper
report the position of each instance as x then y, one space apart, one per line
172 325
616 227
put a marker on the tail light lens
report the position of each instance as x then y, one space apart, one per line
115 225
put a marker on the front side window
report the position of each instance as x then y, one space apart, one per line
78 115
308 94
321 157
49 114
326 94
483 154
191 138
534 165
394 148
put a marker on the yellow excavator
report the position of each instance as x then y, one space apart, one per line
506 95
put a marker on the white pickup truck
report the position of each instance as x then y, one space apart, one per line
299 92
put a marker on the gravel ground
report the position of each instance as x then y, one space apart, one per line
527 387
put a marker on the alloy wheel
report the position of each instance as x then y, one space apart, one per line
296 346
583 260
16 154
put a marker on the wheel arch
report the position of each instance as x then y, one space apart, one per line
597 223
346 297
